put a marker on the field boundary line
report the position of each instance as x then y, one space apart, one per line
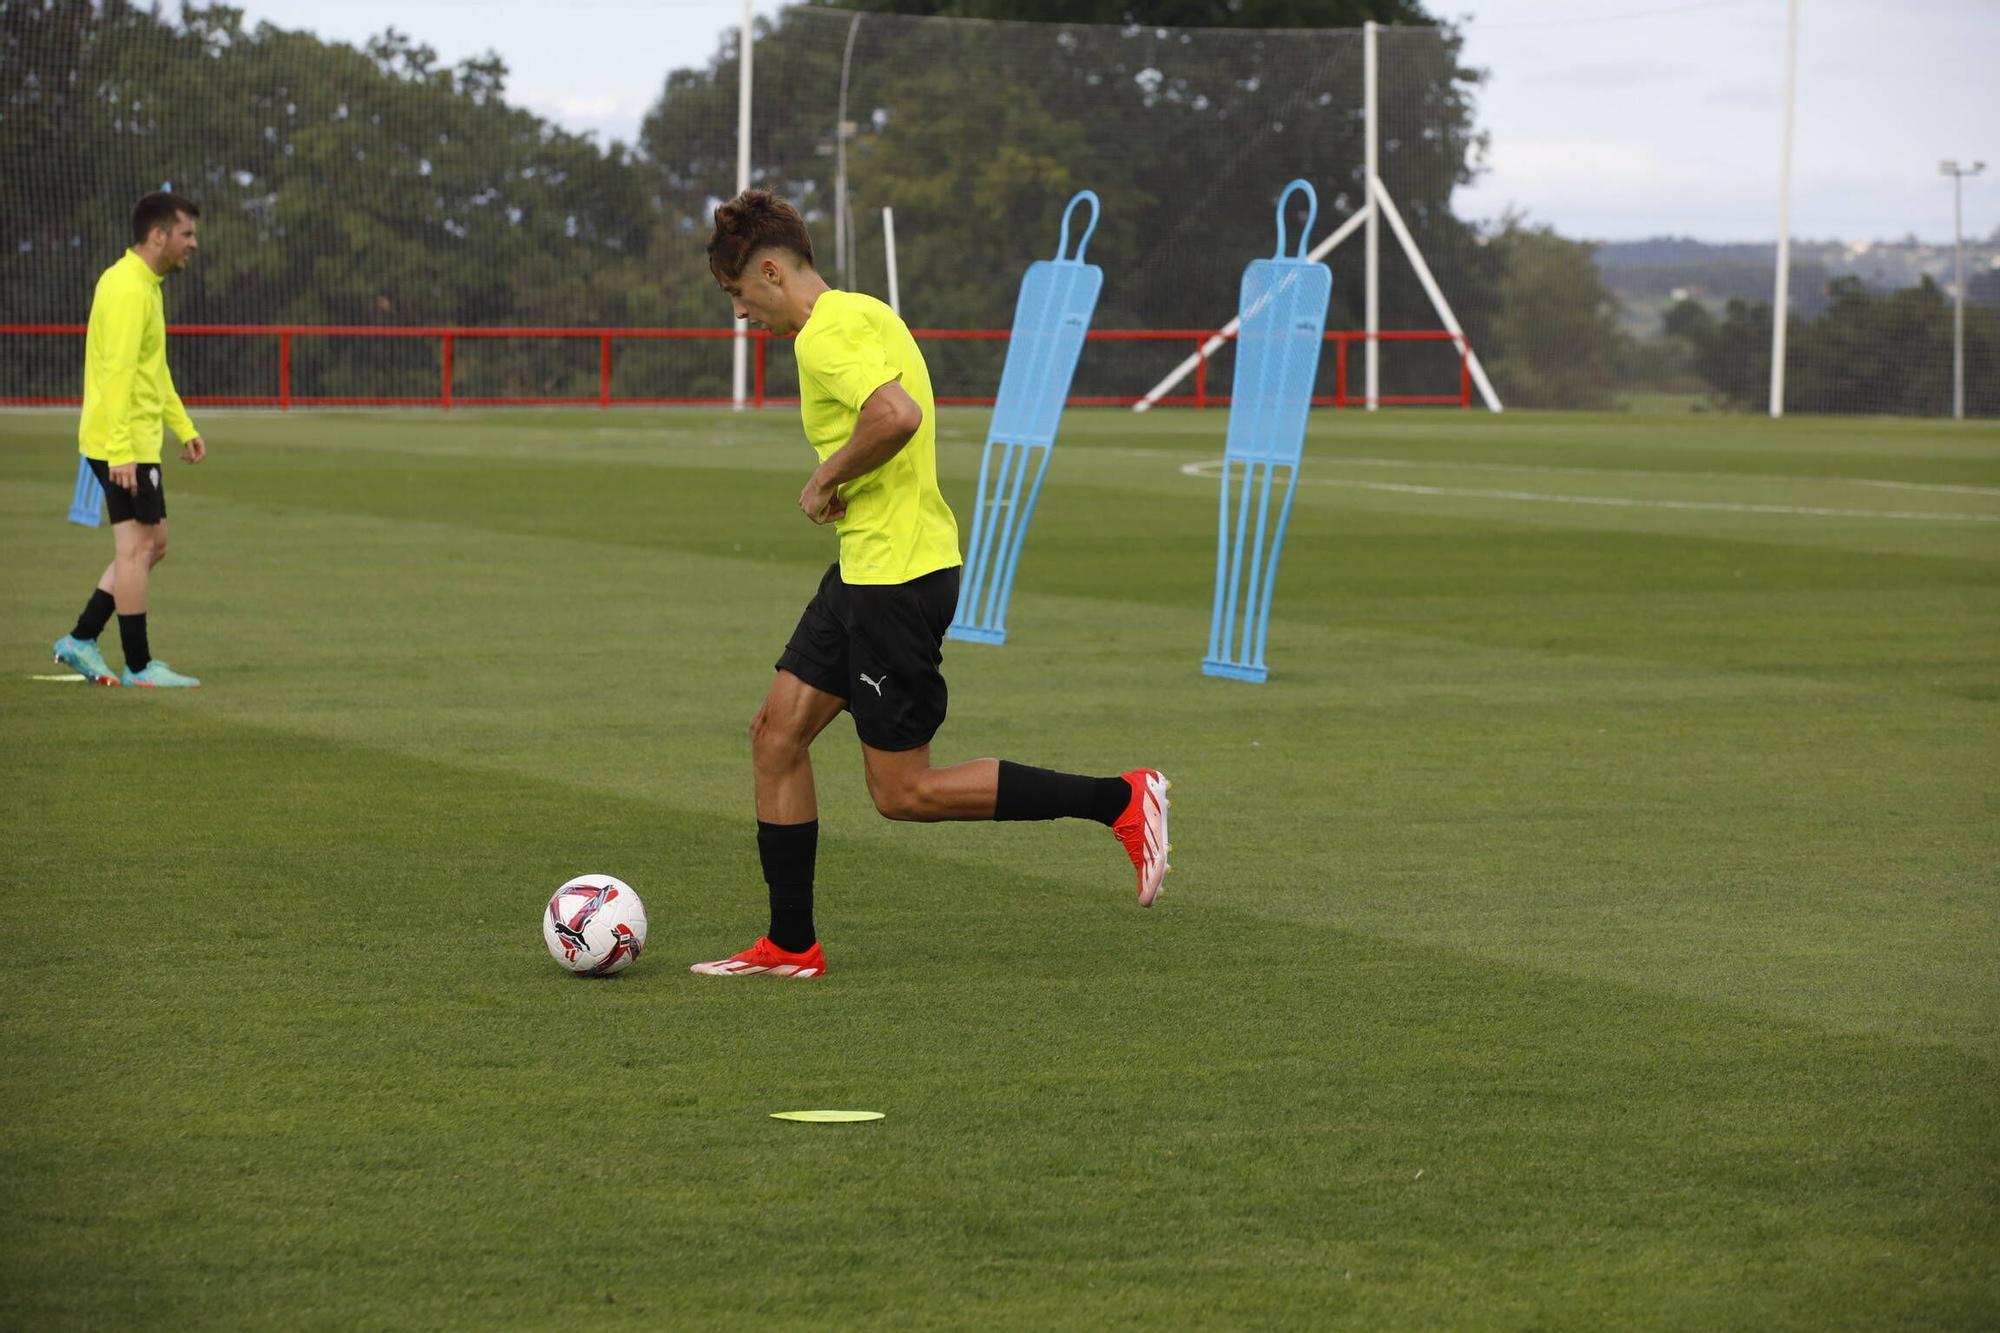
1209 470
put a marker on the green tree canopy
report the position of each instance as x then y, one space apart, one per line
1866 352
1161 13
1555 340
337 185
977 135
375 185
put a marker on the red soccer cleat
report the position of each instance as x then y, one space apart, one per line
1143 830
766 959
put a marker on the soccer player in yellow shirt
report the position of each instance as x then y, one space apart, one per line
870 639
127 395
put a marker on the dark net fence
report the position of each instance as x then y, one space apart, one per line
976 134
358 189
353 190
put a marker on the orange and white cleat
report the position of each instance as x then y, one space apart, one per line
765 959
1143 830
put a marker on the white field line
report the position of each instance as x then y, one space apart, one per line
1929 486
1942 488
1639 472
1211 470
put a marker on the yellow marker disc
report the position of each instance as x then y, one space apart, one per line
826 1117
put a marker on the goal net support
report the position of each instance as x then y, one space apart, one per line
1376 205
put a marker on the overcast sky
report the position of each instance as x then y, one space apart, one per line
1611 119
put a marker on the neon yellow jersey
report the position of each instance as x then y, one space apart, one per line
897 526
127 392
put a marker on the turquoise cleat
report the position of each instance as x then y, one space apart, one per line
158 676
82 657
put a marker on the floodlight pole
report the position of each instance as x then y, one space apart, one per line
1781 301
1371 235
741 375
1958 175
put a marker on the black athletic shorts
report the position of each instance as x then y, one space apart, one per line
148 506
876 645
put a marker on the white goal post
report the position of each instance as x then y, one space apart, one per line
1378 198
1377 207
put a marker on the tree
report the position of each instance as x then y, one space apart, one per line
377 186
1867 352
978 135
1555 338
337 185
1163 13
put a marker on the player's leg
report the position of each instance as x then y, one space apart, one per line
142 544
781 737
903 785
131 590
78 650
807 693
131 587
803 698
1133 805
898 636
792 715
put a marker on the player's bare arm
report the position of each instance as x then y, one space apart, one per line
888 421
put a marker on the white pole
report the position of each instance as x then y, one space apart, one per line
1382 201
1958 303
1371 239
843 127
741 377
889 244
1781 302
1208 349
1950 167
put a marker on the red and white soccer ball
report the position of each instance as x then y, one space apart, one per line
595 925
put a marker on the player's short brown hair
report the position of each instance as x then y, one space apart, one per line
750 222
161 208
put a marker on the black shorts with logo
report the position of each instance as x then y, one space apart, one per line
148 506
877 647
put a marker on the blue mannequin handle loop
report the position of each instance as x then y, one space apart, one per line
1063 243
1312 214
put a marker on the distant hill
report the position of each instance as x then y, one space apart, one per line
1649 276
1677 250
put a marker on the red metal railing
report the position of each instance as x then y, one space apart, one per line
448 338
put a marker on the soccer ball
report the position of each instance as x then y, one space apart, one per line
595 925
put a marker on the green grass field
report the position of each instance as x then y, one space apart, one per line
1593 923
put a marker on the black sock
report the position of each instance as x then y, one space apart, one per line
132 633
1039 793
96 615
788 852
